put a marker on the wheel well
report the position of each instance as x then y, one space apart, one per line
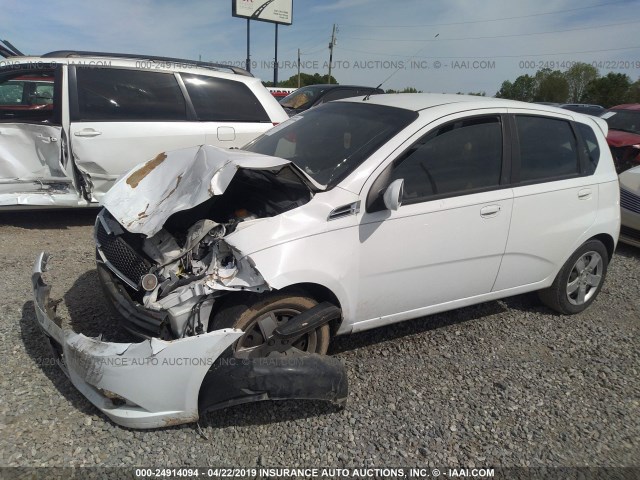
321 294
607 241
313 290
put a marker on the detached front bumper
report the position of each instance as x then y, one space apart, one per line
159 383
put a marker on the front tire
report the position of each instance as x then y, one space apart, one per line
579 281
259 314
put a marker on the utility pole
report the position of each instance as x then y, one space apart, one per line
275 63
298 68
333 42
248 63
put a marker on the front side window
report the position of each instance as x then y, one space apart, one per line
456 158
109 94
222 100
27 96
547 147
331 141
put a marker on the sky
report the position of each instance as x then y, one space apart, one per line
435 46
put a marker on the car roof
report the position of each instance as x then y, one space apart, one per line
136 61
627 106
422 101
590 105
338 85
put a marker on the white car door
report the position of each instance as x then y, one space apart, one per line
122 117
555 202
31 172
446 240
228 110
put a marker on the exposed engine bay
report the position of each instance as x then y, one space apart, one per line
187 264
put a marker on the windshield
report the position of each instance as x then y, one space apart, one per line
624 120
331 141
302 98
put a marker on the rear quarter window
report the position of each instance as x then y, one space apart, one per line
591 148
222 100
548 149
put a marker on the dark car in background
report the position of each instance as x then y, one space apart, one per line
587 109
307 97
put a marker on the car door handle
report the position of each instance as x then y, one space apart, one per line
584 194
87 132
489 211
47 139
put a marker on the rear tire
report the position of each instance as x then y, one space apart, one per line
579 280
259 314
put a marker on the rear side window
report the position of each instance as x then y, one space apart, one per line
591 148
27 96
110 94
456 158
222 100
548 149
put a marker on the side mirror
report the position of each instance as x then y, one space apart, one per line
393 195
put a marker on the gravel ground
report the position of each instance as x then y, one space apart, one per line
505 383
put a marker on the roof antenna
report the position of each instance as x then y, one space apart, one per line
7 50
12 47
396 71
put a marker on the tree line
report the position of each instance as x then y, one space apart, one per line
582 83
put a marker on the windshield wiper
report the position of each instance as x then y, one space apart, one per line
307 179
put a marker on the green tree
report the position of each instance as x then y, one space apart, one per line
634 92
523 89
305 79
404 90
612 89
578 77
551 86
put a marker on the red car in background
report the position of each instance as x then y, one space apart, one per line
624 135
28 93
624 141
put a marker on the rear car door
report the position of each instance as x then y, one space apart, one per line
555 199
121 117
31 138
228 111
446 240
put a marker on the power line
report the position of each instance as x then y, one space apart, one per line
495 56
314 41
484 21
489 37
315 51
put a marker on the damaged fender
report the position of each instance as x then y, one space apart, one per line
158 383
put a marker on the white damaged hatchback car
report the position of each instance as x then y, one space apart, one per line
353 215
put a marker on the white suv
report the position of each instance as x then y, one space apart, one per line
71 123
353 215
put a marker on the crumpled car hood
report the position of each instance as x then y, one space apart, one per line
618 138
143 199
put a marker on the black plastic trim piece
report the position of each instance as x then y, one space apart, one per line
308 376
